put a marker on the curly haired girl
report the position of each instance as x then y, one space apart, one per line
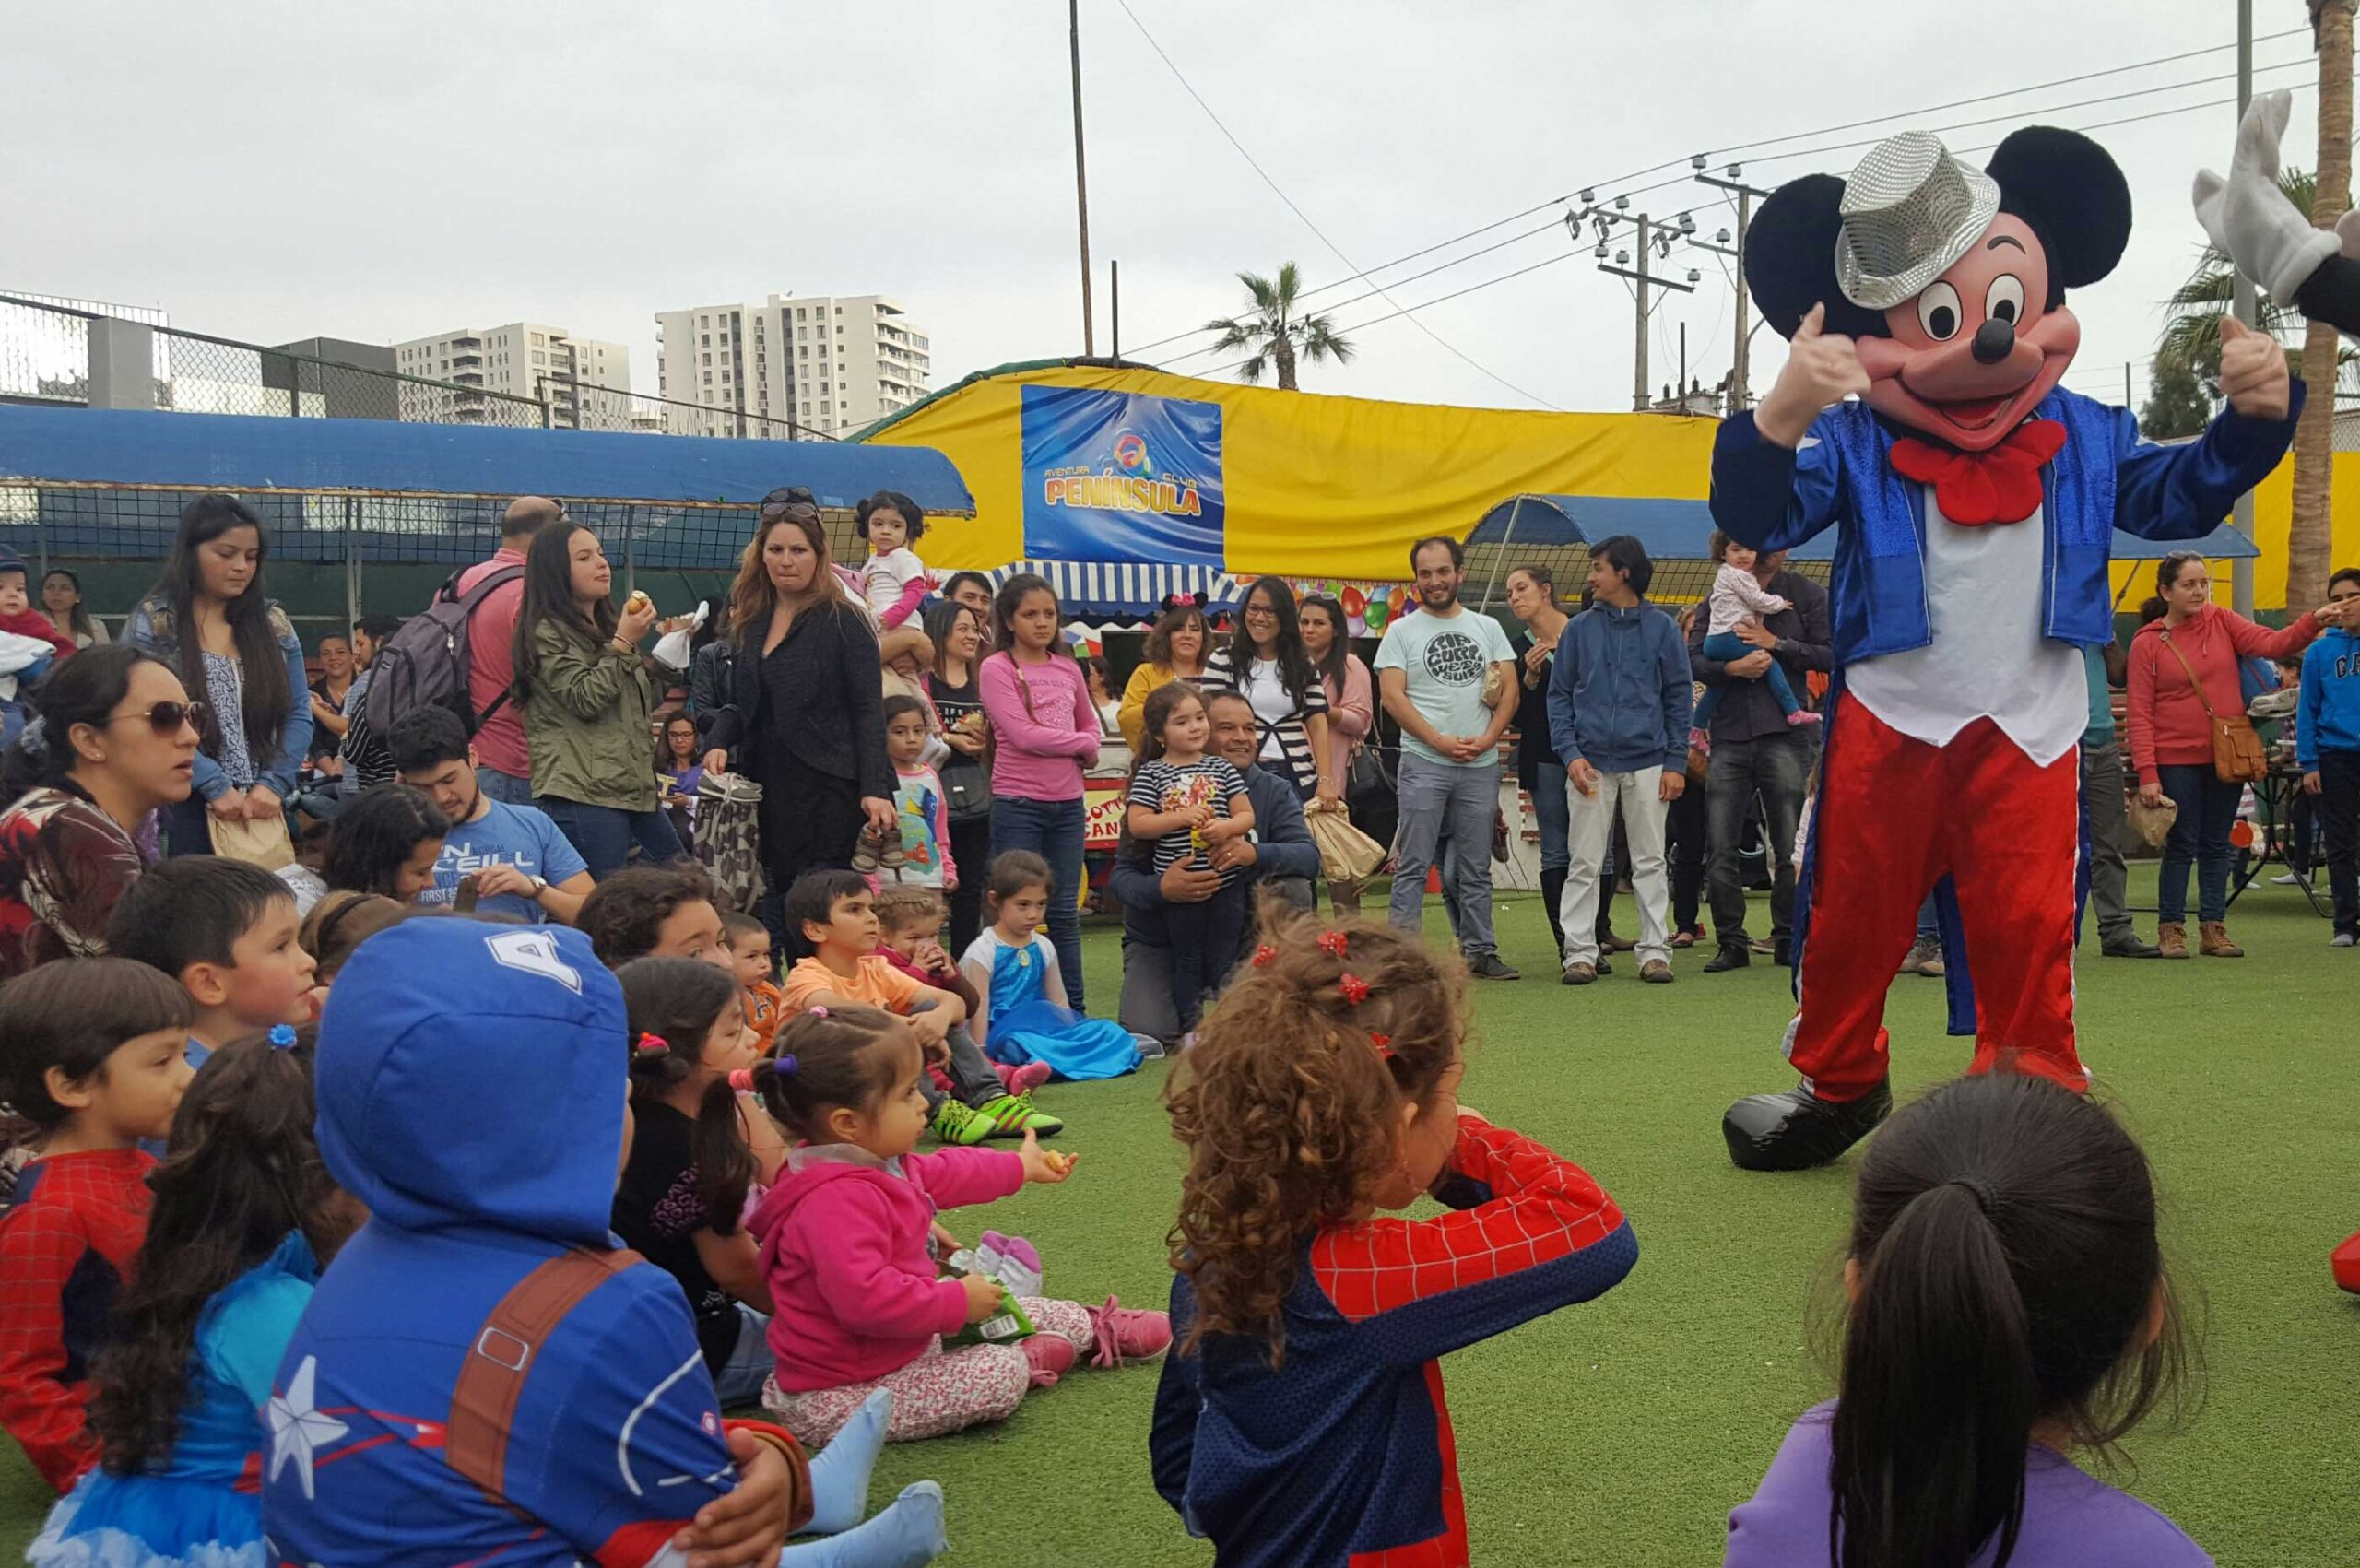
1301 1416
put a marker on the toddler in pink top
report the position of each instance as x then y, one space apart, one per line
861 1304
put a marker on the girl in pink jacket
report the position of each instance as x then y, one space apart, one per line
861 1302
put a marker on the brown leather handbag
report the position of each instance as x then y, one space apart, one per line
2237 756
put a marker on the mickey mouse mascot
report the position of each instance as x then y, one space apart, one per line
1975 500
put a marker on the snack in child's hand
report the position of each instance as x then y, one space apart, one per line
638 601
1061 1163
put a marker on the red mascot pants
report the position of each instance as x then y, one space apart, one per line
1894 815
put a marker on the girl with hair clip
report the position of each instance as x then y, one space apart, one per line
861 1305
1177 645
1301 1421
246 1215
2008 1305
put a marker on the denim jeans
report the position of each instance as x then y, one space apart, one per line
603 835
739 1383
1726 646
2199 836
1205 939
1929 930
1551 814
1439 801
1052 830
506 788
1775 767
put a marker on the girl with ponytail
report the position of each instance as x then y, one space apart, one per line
1300 1419
2008 1305
685 1180
863 1308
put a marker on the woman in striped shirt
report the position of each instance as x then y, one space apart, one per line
1266 663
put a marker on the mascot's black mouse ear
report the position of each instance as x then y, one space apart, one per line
2070 189
1790 258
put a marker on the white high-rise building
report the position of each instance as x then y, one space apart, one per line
815 365
526 359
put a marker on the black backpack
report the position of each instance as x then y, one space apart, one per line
426 664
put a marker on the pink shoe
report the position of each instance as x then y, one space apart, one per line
1122 1332
1023 1079
1050 1355
1802 716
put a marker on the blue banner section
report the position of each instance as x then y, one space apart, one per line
1121 477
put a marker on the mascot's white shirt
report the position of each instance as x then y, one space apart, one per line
1989 658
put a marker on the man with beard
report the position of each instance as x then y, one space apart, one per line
1431 671
1278 856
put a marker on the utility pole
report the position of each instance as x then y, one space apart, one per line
1080 178
1115 303
2241 568
1741 391
1639 337
1654 236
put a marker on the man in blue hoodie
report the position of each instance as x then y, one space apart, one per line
486 1373
2327 747
1618 714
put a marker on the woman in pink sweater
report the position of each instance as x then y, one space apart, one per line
2171 738
861 1302
1044 730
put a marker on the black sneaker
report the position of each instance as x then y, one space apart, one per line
1488 966
1730 957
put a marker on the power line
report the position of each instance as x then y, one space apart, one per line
1510 277
1676 162
1254 164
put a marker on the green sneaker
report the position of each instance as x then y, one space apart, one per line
957 1125
1011 1116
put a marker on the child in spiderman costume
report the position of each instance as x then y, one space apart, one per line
1975 499
2316 270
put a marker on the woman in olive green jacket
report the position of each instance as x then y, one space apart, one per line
586 698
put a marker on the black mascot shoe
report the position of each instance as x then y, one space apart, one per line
1797 1130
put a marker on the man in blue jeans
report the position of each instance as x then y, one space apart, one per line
1431 671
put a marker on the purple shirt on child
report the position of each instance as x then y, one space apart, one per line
2071 1519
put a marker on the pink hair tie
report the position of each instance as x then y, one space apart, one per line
742 1080
819 1012
652 1045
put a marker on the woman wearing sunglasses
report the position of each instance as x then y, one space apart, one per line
113 738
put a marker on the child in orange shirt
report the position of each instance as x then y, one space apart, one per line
750 954
836 915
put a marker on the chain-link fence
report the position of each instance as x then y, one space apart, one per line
1677 582
333 556
45 346
585 406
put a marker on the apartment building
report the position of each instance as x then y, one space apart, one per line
585 383
814 366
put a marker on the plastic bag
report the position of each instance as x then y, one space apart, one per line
672 649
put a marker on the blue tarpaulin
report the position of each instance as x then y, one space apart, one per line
232 452
1680 530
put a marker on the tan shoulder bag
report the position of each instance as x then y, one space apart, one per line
2237 756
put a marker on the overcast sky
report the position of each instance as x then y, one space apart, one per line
272 171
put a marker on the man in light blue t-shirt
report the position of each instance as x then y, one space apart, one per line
1431 671
523 866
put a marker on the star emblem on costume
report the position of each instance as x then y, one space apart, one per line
296 1428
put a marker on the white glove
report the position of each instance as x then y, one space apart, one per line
2247 217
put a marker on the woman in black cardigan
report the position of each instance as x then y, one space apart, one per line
801 698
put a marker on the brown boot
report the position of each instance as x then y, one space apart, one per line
2172 936
2214 941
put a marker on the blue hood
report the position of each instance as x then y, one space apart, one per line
471 1074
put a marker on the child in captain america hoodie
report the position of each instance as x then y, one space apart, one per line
487 1373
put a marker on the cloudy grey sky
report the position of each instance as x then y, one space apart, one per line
271 169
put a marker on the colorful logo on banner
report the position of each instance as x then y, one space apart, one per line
1121 477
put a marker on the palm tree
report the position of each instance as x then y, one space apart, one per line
1275 331
2307 537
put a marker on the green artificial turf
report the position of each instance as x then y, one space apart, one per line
1620 1433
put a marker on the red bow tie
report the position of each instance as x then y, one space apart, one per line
1975 488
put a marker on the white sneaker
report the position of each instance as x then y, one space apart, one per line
2287 880
2344 939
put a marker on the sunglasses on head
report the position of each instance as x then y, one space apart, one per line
786 498
166 718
